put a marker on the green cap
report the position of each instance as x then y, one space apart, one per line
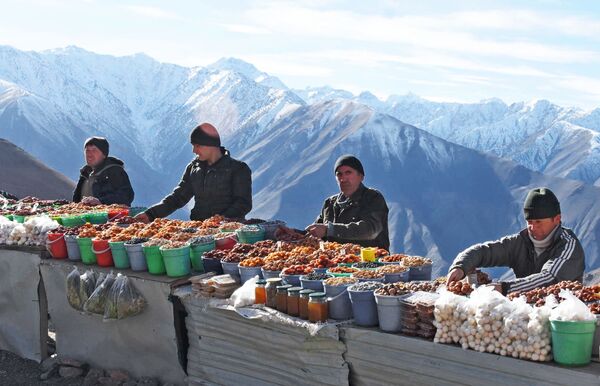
540 203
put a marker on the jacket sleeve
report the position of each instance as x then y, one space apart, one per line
180 196
370 224
242 193
489 254
77 191
121 191
568 263
320 218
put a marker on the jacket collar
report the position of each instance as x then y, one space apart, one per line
86 170
357 195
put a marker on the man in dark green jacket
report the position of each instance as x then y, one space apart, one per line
355 215
542 254
218 183
103 180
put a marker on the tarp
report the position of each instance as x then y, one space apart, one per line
143 345
378 358
229 349
22 309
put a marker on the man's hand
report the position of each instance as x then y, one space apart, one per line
497 286
143 217
88 200
317 230
455 275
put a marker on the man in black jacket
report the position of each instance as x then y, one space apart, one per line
355 215
218 183
542 254
103 179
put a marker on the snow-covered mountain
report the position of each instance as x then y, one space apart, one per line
442 194
539 135
442 197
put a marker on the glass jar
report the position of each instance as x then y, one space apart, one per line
260 294
303 303
281 297
317 307
293 296
271 291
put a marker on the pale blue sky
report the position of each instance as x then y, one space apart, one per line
441 50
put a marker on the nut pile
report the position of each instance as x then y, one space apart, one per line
297 270
316 276
365 286
459 288
393 258
339 281
415 261
392 268
392 289
368 274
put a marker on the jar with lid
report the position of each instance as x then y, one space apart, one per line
317 307
281 297
271 291
260 294
293 295
303 303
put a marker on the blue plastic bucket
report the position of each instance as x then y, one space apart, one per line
364 308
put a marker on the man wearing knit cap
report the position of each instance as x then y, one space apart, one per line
542 254
218 183
356 214
103 179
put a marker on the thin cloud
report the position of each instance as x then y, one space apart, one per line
280 66
246 29
152 12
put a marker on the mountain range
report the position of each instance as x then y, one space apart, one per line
452 174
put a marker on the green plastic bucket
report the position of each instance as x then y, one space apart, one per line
177 261
97 217
196 252
72 221
85 250
154 260
19 218
57 219
9 216
134 210
247 238
572 341
119 254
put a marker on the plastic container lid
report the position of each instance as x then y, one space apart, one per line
294 290
306 292
317 295
261 281
283 287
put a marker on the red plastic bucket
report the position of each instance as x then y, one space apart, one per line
226 243
101 249
56 245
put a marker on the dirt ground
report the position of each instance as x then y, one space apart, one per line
18 371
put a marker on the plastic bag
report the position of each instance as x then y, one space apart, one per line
100 279
95 304
123 300
244 296
73 289
571 309
87 286
129 302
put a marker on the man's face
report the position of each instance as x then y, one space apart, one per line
93 156
541 228
200 151
348 179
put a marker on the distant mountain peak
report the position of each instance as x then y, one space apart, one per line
248 70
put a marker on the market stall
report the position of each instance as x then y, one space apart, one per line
23 312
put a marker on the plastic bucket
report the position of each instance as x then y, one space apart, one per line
177 261
396 277
270 274
572 341
389 312
247 238
135 210
232 270
114 214
102 251
596 344
85 250
57 219
320 270
315 285
97 218
212 265
72 248
420 273
56 245
226 243
135 253
377 279
247 273
18 218
364 308
338 302
196 252
72 221
293 280
270 227
119 254
154 260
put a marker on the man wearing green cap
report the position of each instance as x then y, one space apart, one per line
542 254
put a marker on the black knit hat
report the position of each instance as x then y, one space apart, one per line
100 142
205 136
351 161
541 203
